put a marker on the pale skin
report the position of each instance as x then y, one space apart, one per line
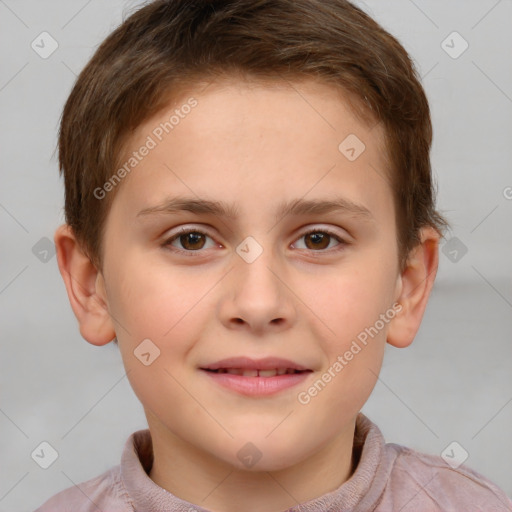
253 147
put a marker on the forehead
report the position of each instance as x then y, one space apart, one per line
251 144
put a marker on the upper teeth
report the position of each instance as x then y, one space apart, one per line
256 373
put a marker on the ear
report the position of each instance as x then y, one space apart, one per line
414 286
85 287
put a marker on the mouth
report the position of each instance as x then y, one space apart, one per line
260 377
257 373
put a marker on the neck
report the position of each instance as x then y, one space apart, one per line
205 480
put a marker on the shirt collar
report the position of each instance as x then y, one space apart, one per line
146 495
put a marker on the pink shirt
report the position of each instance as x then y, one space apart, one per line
388 477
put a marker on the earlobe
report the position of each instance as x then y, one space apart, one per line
416 283
85 288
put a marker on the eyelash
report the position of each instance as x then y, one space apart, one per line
185 231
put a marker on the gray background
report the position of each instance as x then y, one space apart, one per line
453 384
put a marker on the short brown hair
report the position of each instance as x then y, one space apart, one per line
168 45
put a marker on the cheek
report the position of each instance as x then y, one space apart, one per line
351 332
353 344
154 303
346 302
156 300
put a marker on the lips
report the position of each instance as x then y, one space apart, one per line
257 378
248 367
256 373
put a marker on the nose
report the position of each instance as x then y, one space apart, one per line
257 297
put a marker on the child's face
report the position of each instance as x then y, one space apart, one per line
204 299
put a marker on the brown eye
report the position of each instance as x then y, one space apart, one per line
318 240
189 241
192 240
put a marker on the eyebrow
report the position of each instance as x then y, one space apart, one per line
295 207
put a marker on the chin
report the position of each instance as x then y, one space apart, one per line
267 462
263 454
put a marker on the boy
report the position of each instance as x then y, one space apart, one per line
250 216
